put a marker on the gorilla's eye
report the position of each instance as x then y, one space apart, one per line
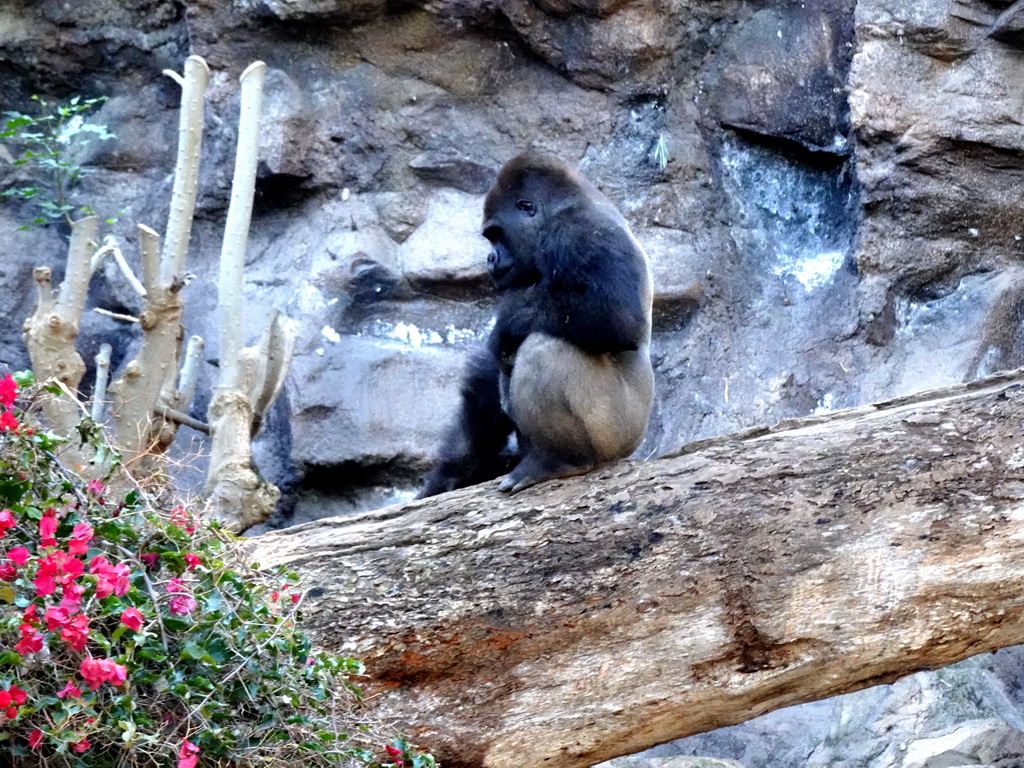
528 207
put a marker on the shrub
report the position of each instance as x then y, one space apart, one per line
131 636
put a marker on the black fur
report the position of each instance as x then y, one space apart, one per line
475 447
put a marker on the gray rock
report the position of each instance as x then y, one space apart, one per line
1009 27
317 10
625 43
286 128
366 400
782 74
975 742
452 168
447 246
671 762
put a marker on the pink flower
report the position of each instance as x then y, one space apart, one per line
71 690
76 632
295 598
55 617
8 391
182 604
19 555
80 539
71 568
48 529
192 560
15 696
94 486
92 672
31 641
35 738
113 579
8 423
188 755
72 600
45 585
6 520
176 585
182 519
95 672
73 629
68 568
275 595
8 572
57 565
81 746
132 618
150 559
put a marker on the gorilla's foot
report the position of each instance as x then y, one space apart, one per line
536 468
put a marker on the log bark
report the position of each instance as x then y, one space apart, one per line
598 616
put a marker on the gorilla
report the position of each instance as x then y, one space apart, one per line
567 365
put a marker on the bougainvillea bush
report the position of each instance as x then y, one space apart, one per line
132 636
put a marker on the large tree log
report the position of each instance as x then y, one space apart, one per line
595 617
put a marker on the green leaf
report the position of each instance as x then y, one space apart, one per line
178 625
191 650
153 654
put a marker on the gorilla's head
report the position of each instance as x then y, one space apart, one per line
531 191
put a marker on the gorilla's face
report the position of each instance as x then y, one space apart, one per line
517 211
513 229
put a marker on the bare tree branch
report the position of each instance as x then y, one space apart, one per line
115 315
111 247
186 176
99 393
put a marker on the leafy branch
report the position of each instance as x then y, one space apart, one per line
48 141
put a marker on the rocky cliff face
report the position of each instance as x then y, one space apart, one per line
831 194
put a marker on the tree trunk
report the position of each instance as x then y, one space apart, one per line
237 496
50 331
598 616
145 390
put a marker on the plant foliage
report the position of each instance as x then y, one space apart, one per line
131 636
48 141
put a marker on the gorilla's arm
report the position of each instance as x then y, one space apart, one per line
473 447
515 320
592 281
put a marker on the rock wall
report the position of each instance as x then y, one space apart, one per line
831 194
